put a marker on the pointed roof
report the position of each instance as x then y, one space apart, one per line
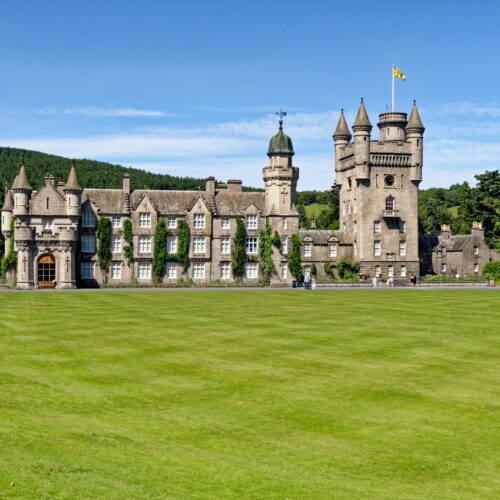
415 121
72 184
21 181
9 202
342 129
362 122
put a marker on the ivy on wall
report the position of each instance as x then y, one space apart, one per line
184 235
266 253
160 250
239 253
294 262
128 249
103 234
9 261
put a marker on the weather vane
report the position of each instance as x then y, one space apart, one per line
281 114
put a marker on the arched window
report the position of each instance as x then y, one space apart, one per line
390 203
46 271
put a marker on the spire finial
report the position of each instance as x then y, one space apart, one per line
362 99
281 114
414 101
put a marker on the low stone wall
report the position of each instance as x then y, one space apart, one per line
457 284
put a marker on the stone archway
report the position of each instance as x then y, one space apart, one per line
46 271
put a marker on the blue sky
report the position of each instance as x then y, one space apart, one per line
191 87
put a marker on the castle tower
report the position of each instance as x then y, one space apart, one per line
7 219
22 190
341 137
378 182
73 192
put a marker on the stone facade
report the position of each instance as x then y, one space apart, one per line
55 227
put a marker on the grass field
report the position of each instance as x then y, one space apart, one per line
273 394
313 211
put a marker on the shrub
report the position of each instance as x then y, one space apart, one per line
104 254
128 249
347 268
294 263
160 250
492 270
239 253
184 235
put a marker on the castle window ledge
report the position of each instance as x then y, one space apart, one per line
391 213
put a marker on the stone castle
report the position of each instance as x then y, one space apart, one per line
55 227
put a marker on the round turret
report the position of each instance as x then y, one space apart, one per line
280 144
392 126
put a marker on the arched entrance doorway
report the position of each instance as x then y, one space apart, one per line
46 271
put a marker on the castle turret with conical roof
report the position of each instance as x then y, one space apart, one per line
73 191
415 136
8 205
22 190
362 129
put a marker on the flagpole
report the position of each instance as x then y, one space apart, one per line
392 73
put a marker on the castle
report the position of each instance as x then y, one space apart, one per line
55 227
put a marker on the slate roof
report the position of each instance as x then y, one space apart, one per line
362 119
321 236
73 183
415 121
235 203
342 129
21 181
108 201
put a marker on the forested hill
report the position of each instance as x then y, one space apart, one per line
92 174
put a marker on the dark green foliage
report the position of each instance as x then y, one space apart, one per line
347 268
184 235
103 234
488 206
492 270
128 249
160 250
239 252
9 261
277 240
314 270
266 253
303 220
328 268
294 262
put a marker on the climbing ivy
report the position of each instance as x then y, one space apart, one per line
104 254
184 235
160 250
266 253
239 253
128 249
294 262
277 240
9 261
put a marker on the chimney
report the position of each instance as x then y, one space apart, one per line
313 224
445 231
234 185
126 184
210 186
477 230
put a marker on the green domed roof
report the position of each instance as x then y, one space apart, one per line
280 144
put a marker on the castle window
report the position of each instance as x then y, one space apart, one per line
88 243
225 223
377 227
225 244
377 248
47 226
355 227
116 221
402 226
402 271
402 181
87 270
418 143
402 248
199 244
307 249
349 182
199 271
48 203
225 270
285 223
332 247
144 270
171 270
88 218
389 203
284 271
443 268
377 271
307 271
355 246
171 221
199 221
476 250
251 245
171 244
251 221
284 245
343 208
349 206
251 270
116 244
144 244
364 138
390 271
388 132
116 271
144 220
476 267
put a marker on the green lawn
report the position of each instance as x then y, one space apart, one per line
313 211
326 394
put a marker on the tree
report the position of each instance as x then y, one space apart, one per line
184 235
128 249
303 220
266 253
294 262
347 268
488 206
465 209
492 270
104 254
160 250
239 251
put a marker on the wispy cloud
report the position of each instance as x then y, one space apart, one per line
105 112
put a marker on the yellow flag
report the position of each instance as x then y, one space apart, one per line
398 73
